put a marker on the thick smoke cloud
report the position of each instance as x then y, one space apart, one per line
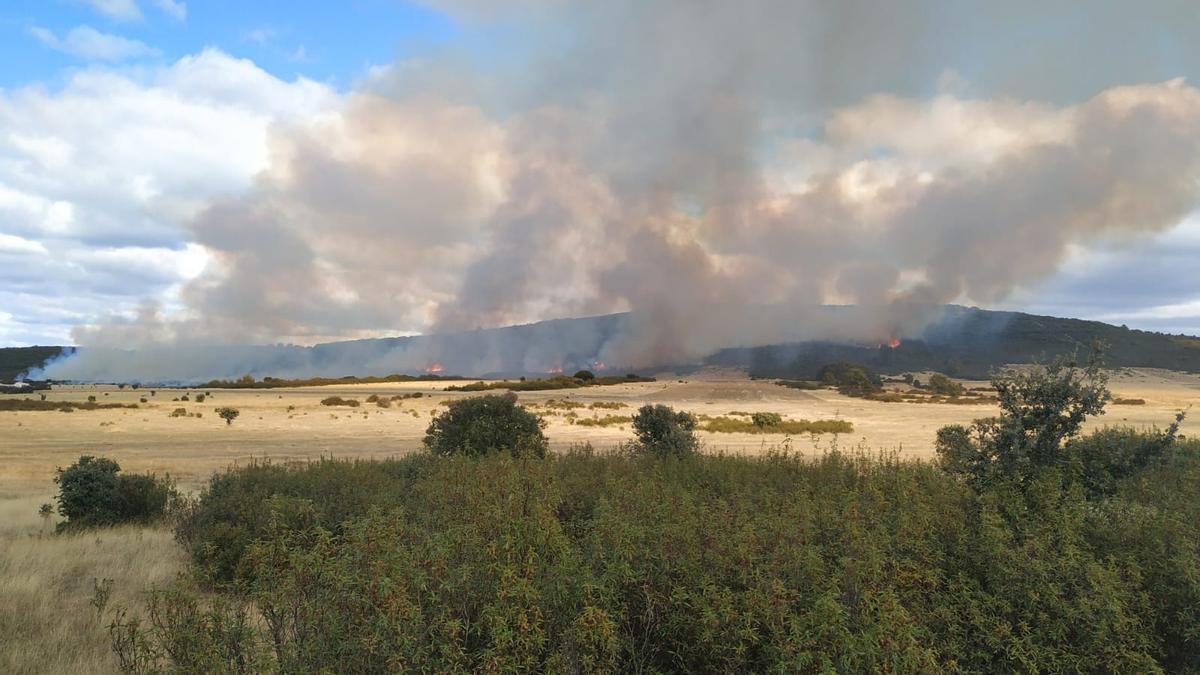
690 162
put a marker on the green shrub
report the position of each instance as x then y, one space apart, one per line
732 425
944 386
91 494
851 379
228 414
482 424
766 419
663 432
590 562
606 421
585 375
1041 409
339 401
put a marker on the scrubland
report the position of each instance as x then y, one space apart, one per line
847 551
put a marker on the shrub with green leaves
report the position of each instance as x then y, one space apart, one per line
609 562
766 419
851 379
482 424
92 493
943 386
1041 409
663 432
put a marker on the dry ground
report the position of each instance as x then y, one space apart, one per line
47 623
292 424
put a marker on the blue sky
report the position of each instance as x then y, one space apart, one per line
333 42
175 168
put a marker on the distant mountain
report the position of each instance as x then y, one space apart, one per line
16 360
971 342
961 341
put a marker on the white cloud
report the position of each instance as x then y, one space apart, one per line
121 10
174 8
86 42
99 180
14 244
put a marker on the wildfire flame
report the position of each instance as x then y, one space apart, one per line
599 365
555 371
893 343
434 368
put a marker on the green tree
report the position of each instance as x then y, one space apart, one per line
228 414
478 425
940 384
851 379
662 431
1041 409
87 492
585 375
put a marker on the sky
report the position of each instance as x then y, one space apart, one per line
263 172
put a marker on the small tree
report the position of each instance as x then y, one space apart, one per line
1040 410
585 375
851 379
228 414
662 431
940 384
482 424
87 492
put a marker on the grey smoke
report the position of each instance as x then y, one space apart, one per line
691 162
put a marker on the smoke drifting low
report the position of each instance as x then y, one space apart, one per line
691 163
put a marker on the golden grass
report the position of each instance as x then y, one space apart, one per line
606 421
47 621
731 425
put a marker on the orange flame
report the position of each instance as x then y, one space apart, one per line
435 367
893 343
555 371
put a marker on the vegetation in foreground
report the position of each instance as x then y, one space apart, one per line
1027 547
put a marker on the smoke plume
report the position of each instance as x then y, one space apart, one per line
715 169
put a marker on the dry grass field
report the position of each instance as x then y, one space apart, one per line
47 622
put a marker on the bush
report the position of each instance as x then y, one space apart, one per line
765 419
92 494
1041 409
663 432
944 386
339 401
228 414
482 424
585 375
733 425
589 562
851 379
